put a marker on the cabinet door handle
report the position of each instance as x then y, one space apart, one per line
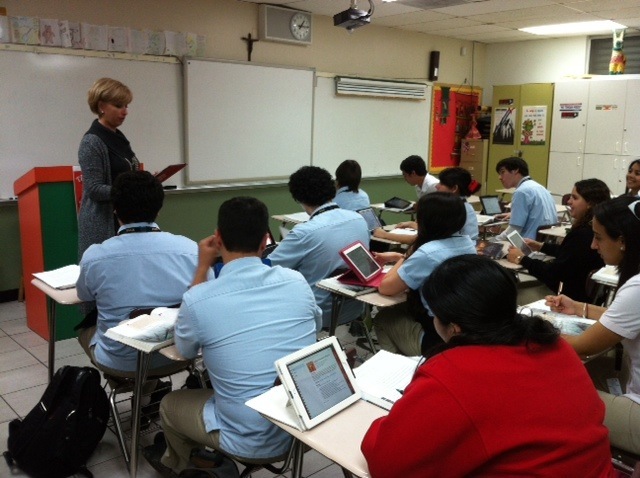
617 150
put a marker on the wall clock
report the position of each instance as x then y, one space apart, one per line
284 25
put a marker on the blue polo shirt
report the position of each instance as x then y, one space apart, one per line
532 206
351 200
243 321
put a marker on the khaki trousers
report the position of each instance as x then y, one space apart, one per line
183 426
622 418
397 331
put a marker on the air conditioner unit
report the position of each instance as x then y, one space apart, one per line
389 89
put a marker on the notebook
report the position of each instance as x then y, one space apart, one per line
363 268
318 381
169 171
373 221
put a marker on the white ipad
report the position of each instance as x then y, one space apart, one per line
360 261
516 239
319 382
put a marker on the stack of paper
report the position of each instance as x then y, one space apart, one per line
383 378
62 278
153 327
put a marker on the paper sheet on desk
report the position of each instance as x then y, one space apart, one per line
568 324
405 231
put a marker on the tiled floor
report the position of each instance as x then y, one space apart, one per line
23 378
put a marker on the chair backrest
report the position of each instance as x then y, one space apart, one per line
597 293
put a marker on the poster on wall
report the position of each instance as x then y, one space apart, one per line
504 129
533 131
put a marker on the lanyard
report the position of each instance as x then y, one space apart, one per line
322 211
134 229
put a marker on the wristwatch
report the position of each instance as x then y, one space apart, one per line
519 259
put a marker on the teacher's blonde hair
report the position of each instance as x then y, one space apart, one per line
108 90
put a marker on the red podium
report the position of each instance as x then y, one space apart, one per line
49 239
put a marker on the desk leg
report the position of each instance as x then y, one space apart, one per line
298 458
51 319
141 375
336 305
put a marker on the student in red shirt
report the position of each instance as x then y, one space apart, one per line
503 396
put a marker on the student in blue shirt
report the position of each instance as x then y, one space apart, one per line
452 180
313 248
349 194
243 321
408 328
532 205
141 266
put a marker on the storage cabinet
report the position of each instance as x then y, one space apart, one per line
473 158
595 132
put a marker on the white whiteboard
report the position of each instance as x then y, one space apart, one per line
377 132
246 122
44 110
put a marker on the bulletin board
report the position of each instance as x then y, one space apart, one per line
450 122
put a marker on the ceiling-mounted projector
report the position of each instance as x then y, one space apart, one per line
353 18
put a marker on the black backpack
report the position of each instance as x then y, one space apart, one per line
61 432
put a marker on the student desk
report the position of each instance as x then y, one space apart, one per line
338 438
55 296
339 295
70 297
145 349
607 277
557 232
291 218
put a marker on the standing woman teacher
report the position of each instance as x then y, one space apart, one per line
104 153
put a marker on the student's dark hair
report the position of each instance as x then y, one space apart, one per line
439 215
137 196
243 223
312 186
513 163
631 164
594 191
618 221
452 177
349 174
480 296
414 163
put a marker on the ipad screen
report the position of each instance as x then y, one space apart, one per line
362 260
320 380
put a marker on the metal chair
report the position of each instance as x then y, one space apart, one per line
125 386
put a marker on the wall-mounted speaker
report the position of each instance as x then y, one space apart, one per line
434 65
